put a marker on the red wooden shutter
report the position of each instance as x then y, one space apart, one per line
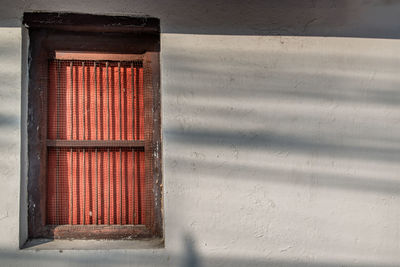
98 182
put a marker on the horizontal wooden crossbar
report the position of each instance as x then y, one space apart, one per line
77 55
95 143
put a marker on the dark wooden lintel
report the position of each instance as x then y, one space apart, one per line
90 22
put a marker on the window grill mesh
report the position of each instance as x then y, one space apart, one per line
95 100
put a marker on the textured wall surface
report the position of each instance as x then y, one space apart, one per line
281 125
10 112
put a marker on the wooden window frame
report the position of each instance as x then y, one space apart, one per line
51 32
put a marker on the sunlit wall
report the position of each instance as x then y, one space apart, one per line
281 129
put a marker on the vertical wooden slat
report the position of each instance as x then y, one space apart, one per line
108 102
108 135
95 92
133 101
120 101
137 111
57 137
83 98
109 188
137 128
84 167
71 155
133 137
120 138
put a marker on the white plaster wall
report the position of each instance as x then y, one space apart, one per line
10 112
278 150
283 148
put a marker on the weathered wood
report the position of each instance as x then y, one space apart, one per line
157 148
77 55
97 231
96 143
90 23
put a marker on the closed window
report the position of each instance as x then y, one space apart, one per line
94 129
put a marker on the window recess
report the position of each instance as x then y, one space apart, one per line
93 129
